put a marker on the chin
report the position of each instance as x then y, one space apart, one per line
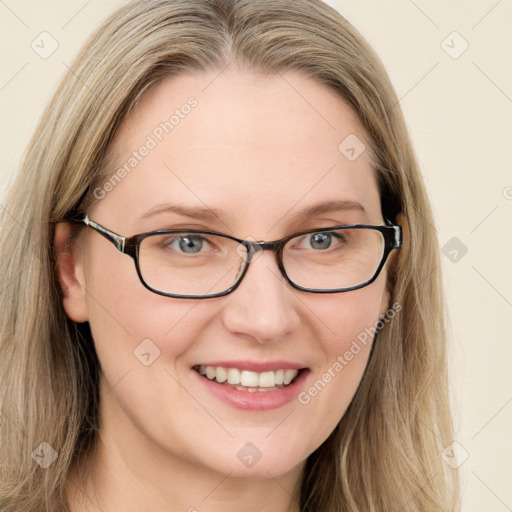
258 459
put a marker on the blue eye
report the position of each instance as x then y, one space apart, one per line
320 240
189 244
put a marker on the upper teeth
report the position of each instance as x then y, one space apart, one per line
247 378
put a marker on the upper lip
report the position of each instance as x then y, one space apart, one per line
256 366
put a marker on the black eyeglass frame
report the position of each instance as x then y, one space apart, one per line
393 239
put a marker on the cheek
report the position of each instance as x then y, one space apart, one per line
134 328
140 338
349 326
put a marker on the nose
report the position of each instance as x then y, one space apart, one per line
264 306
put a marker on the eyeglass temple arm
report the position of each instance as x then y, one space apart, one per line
117 240
399 235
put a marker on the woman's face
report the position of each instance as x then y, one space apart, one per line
253 156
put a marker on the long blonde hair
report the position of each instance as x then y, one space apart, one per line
385 454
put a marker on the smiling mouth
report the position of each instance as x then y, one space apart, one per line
246 380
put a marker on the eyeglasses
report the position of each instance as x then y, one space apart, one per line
196 264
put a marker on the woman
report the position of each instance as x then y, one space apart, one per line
221 277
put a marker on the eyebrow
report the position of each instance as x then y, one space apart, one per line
194 213
212 214
329 207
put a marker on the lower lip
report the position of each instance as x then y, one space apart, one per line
255 400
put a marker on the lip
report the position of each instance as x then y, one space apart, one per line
256 366
255 400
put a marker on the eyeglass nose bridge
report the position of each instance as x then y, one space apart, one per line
254 248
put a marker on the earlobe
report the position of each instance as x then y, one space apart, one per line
70 273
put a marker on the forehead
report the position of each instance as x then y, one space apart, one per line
256 147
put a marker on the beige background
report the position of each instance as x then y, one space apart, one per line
459 111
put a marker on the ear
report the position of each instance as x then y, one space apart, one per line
70 273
